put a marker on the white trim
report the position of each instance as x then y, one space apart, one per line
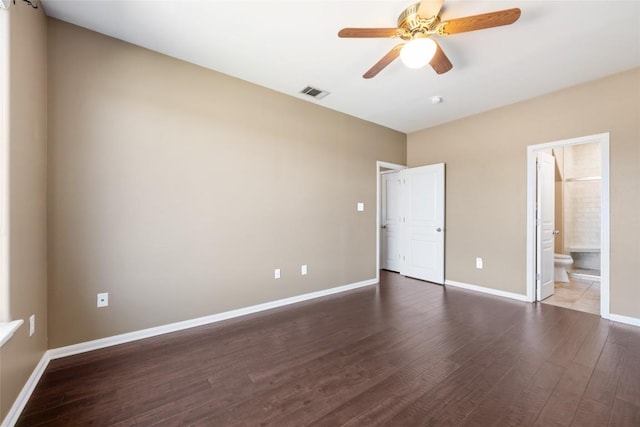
186 324
7 329
379 172
635 321
5 315
490 291
22 399
603 139
605 221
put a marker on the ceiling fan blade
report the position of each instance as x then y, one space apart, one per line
367 32
386 60
480 22
440 63
429 8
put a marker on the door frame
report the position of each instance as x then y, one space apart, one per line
603 139
379 166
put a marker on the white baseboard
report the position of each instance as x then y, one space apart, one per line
484 290
22 399
178 326
624 319
56 353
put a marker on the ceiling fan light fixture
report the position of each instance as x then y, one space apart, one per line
418 52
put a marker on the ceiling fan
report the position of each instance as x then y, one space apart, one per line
416 26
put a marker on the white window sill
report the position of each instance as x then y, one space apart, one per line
7 329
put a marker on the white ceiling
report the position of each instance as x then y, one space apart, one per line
287 45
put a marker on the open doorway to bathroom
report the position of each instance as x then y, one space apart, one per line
581 224
578 207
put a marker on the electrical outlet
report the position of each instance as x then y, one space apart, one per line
32 324
276 273
303 270
103 299
479 263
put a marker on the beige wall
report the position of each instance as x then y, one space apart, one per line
178 190
27 198
486 181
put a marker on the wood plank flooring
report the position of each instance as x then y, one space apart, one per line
404 353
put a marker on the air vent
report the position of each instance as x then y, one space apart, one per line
315 93
4 4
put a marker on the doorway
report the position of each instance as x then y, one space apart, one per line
569 244
411 222
381 169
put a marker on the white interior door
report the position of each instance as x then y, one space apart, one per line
390 222
423 223
545 208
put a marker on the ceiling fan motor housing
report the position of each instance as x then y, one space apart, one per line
414 24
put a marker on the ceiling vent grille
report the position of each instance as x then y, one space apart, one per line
314 92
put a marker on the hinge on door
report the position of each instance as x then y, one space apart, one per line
538 277
538 164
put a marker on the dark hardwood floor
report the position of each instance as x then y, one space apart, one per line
404 353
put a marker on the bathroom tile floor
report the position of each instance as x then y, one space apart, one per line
579 294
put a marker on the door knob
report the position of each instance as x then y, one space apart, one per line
438 229
556 232
383 226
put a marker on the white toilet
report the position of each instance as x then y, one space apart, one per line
561 263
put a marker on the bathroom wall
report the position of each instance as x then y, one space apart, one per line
582 198
581 161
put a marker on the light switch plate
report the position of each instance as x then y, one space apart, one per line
479 263
276 273
303 270
360 207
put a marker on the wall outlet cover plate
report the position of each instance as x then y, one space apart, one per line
103 299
